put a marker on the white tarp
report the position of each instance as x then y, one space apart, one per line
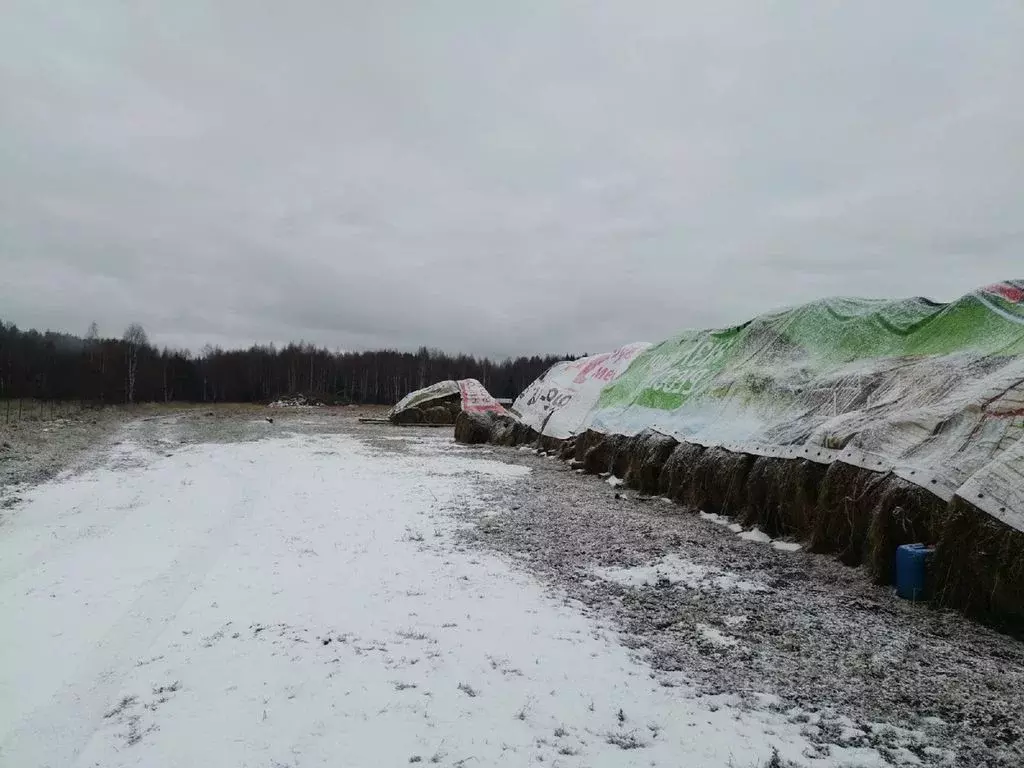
560 402
475 397
438 391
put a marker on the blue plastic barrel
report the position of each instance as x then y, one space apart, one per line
912 571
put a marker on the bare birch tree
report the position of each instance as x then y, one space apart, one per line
134 339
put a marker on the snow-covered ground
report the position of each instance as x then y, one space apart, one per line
305 600
673 570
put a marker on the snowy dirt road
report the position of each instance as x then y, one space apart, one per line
309 599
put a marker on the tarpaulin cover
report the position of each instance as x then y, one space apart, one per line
561 400
475 398
931 392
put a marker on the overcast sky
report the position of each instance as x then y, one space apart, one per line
498 177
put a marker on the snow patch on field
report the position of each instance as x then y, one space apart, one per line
716 637
304 601
755 534
711 517
787 546
674 570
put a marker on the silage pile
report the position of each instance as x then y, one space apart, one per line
853 425
442 402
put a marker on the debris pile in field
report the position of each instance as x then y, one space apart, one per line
296 401
441 403
853 425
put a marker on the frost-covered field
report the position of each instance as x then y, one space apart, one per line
312 593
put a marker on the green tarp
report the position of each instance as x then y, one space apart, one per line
931 392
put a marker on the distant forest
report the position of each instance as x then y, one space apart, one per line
60 366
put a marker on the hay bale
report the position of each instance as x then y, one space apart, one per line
585 442
408 416
718 481
801 487
438 414
473 428
979 567
696 492
632 451
629 453
503 432
598 457
568 449
782 496
503 428
765 496
509 431
846 501
523 434
733 488
548 443
620 455
677 473
648 453
904 514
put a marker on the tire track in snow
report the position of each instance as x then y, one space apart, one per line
55 733
375 637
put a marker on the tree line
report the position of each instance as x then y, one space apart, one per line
129 369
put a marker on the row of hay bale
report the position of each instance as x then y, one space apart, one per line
488 427
857 514
438 411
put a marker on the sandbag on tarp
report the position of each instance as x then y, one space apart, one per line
931 392
426 405
560 402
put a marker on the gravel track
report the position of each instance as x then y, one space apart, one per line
817 632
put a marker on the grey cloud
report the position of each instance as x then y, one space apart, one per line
498 178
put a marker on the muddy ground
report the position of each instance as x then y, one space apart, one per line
803 634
